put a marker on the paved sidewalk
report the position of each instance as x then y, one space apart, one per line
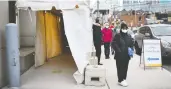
57 74
151 78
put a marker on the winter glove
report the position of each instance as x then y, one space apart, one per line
130 52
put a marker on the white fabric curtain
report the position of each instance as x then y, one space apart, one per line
79 34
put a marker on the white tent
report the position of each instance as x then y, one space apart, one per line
77 23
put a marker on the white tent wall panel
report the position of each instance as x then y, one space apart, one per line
27 24
79 35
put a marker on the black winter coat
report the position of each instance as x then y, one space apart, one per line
120 44
97 35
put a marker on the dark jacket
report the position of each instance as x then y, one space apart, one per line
97 35
120 44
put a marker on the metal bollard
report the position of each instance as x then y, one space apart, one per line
12 49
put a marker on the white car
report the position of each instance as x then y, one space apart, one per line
155 31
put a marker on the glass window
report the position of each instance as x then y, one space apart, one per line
135 31
161 30
148 30
142 30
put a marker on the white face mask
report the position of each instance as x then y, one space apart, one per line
107 26
124 31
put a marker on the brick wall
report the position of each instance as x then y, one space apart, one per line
134 19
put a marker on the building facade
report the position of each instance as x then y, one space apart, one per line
118 5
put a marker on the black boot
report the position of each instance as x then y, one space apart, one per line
107 57
100 64
113 53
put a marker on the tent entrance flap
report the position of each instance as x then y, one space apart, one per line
48 37
79 35
53 35
77 27
40 44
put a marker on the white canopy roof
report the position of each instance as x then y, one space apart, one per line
48 4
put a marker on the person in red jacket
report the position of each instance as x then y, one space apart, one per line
107 38
112 26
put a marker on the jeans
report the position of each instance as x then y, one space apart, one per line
107 49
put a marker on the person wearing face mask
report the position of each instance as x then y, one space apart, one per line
113 34
122 43
107 38
97 39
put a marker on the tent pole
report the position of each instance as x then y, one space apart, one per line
98 13
12 11
17 22
45 35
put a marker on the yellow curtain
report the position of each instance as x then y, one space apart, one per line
59 33
40 45
53 41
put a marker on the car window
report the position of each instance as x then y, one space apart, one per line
148 30
135 31
161 30
142 30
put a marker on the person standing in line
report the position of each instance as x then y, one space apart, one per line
112 26
116 29
97 39
122 43
107 38
113 34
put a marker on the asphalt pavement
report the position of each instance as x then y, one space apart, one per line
167 64
167 67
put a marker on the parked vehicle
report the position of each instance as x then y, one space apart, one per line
135 31
155 31
132 34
